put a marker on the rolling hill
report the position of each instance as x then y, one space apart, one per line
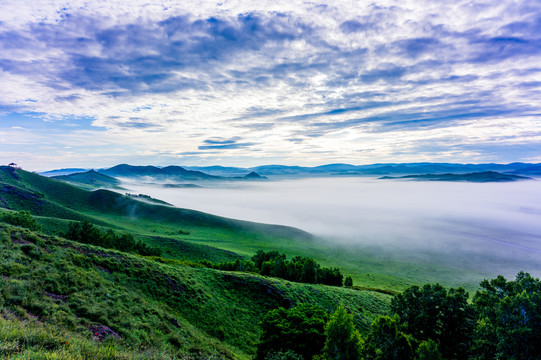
90 179
83 299
175 172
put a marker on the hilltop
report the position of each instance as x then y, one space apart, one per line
90 179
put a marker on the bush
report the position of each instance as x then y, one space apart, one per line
21 218
85 232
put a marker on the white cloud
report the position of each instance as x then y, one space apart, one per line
268 72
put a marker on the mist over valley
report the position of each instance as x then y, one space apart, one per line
453 227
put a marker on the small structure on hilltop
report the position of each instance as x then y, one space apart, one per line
13 165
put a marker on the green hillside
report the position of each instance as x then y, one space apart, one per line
193 235
167 294
57 202
63 299
170 308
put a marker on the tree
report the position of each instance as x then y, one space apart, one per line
387 341
432 312
299 329
348 282
428 350
343 341
509 323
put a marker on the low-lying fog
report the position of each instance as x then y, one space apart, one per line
498 224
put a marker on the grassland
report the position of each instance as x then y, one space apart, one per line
192 235
65 300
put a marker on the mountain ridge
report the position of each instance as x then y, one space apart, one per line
337 169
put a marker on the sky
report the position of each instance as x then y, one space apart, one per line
246 83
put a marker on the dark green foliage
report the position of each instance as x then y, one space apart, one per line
85 232
509 323
272 263
343 341
428 350
299 329
387 340
237 265
432 312
299 269
283 355
20 218
348 282
260 257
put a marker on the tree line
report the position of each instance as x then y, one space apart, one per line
503 321
298 269
86 232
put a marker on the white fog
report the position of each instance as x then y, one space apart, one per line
498 224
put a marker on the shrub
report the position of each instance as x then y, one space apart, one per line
85 232
21 218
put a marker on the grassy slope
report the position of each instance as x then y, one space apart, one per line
215 238
167 308
90 180
164 307
57 202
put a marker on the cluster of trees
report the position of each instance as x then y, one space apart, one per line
86 232
308 332
299 269
431 322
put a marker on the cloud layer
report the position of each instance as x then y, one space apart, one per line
290 82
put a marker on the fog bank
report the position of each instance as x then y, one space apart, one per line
496 224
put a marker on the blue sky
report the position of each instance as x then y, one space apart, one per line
93 84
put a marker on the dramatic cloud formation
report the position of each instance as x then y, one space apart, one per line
271 81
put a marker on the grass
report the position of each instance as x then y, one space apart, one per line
163 307
191 235
56 291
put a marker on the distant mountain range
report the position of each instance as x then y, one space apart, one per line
485 176
210 173
178 172
109 178
373 169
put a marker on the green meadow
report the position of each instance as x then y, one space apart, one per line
66 300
